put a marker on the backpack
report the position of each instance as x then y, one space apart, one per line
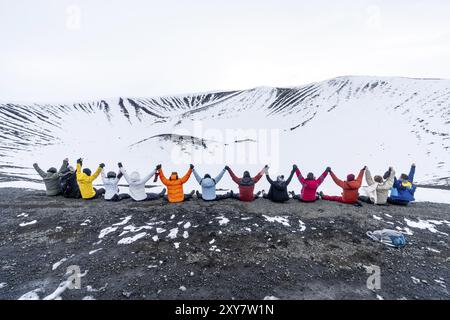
388 237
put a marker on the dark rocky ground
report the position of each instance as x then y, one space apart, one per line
257 258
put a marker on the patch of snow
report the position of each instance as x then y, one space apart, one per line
160 230
248 229
155 238
283 220
88 298
423 225
433 250
172 217
173 233
24 224
2 285
32 295
123 222
415 280
185 234
377 217
57 264
23 215
94 251
222 220
106 231
302 225
212 241
132 239
177 245
405 230
182 288
270 298
187 225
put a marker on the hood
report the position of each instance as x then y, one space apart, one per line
135 177
208 183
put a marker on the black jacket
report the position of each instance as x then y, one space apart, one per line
278 190
69 185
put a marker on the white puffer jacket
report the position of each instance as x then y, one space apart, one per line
137 185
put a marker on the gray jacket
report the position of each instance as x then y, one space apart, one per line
51 180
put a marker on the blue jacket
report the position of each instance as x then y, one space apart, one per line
208 185
405 193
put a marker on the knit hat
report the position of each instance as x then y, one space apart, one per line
52 170
310 176
87 171
378 179
111 175
351 177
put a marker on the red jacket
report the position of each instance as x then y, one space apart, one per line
309 187
246 191
350 193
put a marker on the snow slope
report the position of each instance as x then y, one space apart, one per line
346 122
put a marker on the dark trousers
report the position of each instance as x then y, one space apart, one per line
218 196
397 202
98 193
237 196
119 197
365 199
299 197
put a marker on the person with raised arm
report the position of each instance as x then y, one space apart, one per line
246 184
174 185
208 185
403 190
137 185
349 187
309 186
378 187
278 189
85 180
52 178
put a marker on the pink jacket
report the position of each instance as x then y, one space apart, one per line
309 187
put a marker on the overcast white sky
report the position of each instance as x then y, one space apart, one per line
58 50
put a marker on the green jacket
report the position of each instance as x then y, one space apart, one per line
51 180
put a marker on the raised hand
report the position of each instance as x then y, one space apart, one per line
328 169
413 165
80 160
101 165
66 160
365 167
227 168
158 167
120 165
294 167
191 166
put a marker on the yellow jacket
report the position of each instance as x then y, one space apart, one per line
175 186
85 182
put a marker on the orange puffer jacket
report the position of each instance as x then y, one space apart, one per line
350 188
174 186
